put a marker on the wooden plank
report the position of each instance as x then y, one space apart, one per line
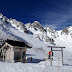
21 55
45 56
58 58
25 55
55 47
56 50
19 47
62 56
3 55
19 50
51 57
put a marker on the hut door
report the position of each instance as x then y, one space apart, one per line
17 56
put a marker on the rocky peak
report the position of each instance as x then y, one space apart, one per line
37 25
1 16
67 30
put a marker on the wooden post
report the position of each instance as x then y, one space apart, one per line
25 55
45 55
62 56
9 54
58 58
3 55
51 56
21 54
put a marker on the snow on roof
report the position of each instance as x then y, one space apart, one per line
17 43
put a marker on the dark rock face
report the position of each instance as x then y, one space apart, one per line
65 30
36 25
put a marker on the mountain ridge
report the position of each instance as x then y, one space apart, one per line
15 29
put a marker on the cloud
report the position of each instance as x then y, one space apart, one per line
55 26
58 16
57 20
51 26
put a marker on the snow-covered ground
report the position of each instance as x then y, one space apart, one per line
19 67
40 66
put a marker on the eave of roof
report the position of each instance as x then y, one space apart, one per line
17 43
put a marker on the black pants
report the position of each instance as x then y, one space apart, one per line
49 57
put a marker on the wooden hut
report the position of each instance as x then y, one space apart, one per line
13 51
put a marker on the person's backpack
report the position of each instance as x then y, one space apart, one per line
52 53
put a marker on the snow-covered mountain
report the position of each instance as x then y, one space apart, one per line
16 30
34 33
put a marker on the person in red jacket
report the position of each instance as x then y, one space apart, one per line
50 55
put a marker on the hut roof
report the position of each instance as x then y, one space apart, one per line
17 43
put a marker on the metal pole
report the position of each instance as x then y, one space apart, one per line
51 56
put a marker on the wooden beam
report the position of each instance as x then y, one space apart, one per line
19 47
25 55
56 50
3 55
45 55
62 56
19 50
51 56
55 47
9 54
21 55
58 58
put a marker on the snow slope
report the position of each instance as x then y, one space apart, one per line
37 37
17 31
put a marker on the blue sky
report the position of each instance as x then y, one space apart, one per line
56 14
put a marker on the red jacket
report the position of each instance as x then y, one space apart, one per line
49 52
